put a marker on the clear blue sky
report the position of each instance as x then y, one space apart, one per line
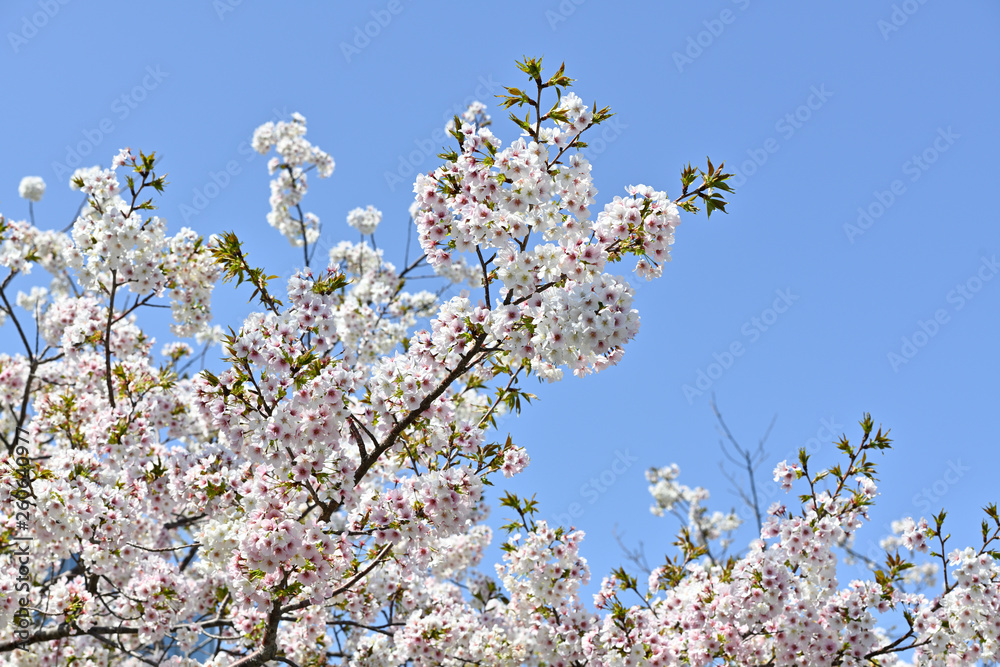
825 108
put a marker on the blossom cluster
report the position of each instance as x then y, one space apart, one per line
527 208
365 220
688 503
297 156
31 188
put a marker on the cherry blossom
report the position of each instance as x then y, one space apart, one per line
319 495
31 188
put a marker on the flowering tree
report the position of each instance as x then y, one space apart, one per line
320 499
